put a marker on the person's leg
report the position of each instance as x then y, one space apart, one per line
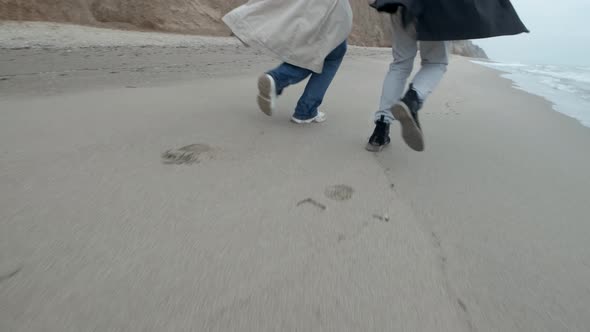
287 74
435 60
316 88
404 49
275 81
434 65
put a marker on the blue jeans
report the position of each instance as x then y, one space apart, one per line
315 90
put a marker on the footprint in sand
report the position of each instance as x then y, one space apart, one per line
462 305
8 273
384 218
339 192
312 202
186 155
450 106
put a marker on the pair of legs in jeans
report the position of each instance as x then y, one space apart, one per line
275 81
434 56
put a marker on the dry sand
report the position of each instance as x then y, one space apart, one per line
271 226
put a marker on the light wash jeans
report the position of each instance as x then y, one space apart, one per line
434 56
315 90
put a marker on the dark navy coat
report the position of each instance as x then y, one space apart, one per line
457 19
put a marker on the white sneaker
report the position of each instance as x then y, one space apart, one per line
267 94
321 117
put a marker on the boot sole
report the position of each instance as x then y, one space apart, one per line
411 133
375 148
264 98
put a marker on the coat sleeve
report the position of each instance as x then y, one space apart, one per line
392 7
387 6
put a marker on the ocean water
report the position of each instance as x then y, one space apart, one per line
567 87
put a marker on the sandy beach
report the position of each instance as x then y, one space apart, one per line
270 226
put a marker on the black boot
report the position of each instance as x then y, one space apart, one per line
406 112
380 137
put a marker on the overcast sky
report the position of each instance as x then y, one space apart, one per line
560 34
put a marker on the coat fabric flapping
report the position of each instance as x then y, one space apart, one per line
438 20
298 32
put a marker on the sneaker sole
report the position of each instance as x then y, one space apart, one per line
411 133
314 120
263 98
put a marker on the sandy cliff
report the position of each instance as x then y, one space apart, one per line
184 16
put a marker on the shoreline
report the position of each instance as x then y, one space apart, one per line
571 105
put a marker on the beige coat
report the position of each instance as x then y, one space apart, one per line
299 32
